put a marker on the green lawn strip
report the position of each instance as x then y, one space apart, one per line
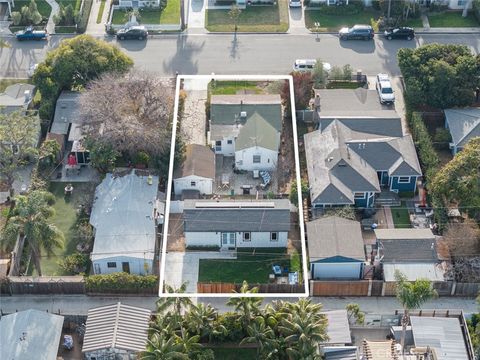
401 218
272 18
234 353
65 29
4 83
452 19
336 22
100 11
43 7
254 268
75 3
232 87
65 219
414 23
169 15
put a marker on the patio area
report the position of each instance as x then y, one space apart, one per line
84 173
229 183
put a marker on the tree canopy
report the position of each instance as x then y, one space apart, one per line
459 180
441 76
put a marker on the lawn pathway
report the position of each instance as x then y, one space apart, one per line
55 9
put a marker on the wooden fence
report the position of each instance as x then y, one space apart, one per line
381 288
18 285
228 288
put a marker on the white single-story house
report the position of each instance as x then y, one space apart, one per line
335 248
197 172
115 331
236 224
463 124
247 127
30 334
125 216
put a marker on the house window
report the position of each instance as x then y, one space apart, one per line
246 236
218 145
229 142
228 239
111 264
403 179
359 195
256 159
461 2
193 183
274 236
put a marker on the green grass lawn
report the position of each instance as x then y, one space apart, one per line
248 266
344 85
414 23
4 83
169 15
65 219
65 29
452 19
43 8
272 18
75 3
100 11
234 353
400 215
336 22
232 87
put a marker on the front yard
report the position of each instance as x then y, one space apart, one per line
252 265
452 19
255 18
336 22
169 15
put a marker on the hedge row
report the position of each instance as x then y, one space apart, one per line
120 281
82 24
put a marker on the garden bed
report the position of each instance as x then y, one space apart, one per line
452 19
344 84
270 18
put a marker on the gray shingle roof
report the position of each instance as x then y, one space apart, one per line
255 216
464 124
257 132
199 161
116 326
13 98
407 245
66 112
380 126
334 236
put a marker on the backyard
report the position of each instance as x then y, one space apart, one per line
452 19
169 15
65 219
252 265
272 18
401 217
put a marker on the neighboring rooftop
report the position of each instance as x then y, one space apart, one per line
379 350
333 236
16 97
30 334
227 215
338 328
116 326
199 161
407 245
413 271
464 124
123 216
66 112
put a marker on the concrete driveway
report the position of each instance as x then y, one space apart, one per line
183 267
297 21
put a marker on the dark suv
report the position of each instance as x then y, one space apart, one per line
133 32
400 33
357 32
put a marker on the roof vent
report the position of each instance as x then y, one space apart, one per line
243 114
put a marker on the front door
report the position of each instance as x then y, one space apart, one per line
228 240
126 267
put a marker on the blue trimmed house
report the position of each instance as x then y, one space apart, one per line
464 125
349 163
335 248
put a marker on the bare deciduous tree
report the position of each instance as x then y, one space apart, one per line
132 113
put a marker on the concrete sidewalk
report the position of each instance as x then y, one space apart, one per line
98 29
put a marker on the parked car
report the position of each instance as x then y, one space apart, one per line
309 64
400 33
29 33
132 32
384 89
357 32
295 3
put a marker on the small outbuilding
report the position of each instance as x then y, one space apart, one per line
335 248
30 334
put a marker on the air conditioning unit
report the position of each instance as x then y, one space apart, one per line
243 114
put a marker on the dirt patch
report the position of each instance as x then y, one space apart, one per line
175 237
294 239
286 158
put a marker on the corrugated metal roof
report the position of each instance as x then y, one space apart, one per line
116 326
30 334
442 334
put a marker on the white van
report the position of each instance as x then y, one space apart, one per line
308 65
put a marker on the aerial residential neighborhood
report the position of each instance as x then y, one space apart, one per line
232 179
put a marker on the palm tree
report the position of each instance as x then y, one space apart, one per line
261 334
163 347
411 295
178 304
31 221
247 307
201 319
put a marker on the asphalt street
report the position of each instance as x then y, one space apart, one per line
245 54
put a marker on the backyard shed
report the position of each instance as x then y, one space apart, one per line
197 172
30 334
125 215
335 248
115 331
